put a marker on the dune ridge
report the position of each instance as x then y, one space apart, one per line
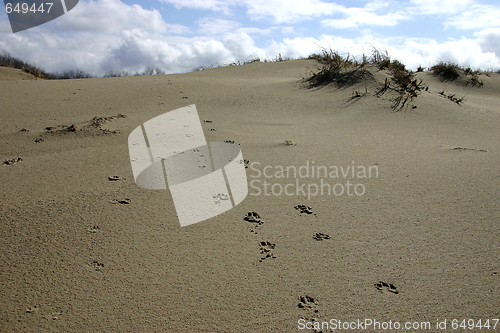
85 249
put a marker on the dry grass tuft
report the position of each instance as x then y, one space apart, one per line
446 70
342 70
347 71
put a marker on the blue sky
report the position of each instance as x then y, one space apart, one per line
180 35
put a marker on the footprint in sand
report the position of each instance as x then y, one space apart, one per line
98 266
386 287
12 161
266 249
125 201
60 129
53 316
93 229
472 149
321 236
32 309
207 121
304 209
253 217
38 140
307 302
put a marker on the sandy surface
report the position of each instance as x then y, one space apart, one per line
74 259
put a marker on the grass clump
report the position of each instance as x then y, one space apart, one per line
402 80
346 70
405 83
474 80
446 70
450 71
343 70
381 59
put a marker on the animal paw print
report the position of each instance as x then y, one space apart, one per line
94 229
304 209
219 197
382 286
32 309
97 265
53 316
307 302
253 217
266 248
12 161
125 201
320 236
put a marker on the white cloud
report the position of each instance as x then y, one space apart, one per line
110 16
431 7
489 40
466 52
213 5
210 26
476 17
242 47
357 18
290 10
278 10
376 13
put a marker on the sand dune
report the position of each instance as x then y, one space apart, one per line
84 253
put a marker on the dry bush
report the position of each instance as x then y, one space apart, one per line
446 70
338 69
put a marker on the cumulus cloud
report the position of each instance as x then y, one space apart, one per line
290 11
111 16
464 51
431 7
210 26
475 18
282 11
279 11
367 16
212 5
489 40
